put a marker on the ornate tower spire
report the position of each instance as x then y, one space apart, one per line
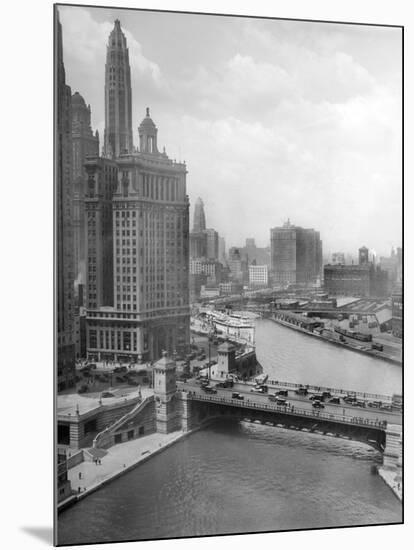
199 224
148 135
118 95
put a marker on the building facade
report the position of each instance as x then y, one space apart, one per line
237 265
252 253
84 144
212 241
338 258
258 275
198 245
397 312
64 221
296 254
199 222
355 280
143 208
118 96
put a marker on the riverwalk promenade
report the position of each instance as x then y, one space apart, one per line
89 476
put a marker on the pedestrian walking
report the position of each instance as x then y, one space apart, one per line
80 475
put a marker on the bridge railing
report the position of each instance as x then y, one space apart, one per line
336 391
294 411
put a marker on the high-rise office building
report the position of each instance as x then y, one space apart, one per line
199 222
64 221
251 253
363 256
296 254
84 143
138 211
222 250
198 245
118 96
212 244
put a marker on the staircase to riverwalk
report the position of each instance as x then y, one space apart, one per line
104 438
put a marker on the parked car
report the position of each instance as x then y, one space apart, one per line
236 395
318 405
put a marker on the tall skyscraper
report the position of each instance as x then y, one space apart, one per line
363 255
222 250
296 254
84 144
138 229
118 96
64 220
199 223
212 244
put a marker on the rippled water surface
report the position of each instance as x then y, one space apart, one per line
238 477
291 356
233 478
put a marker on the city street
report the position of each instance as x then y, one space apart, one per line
299 402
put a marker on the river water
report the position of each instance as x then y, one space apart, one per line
238 477
291 356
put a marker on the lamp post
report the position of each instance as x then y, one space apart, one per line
209 356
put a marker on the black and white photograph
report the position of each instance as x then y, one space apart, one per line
228 274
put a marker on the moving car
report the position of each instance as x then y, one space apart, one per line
358 403
335 400
301 391
225 384
317 397
377 346
318 405
209 389
259 389
281 401
326 394
285 393
350 399
236 395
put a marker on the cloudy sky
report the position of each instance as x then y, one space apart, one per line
275 119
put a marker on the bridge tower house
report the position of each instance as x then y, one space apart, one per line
226 360
165 387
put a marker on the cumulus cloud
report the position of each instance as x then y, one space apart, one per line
275 119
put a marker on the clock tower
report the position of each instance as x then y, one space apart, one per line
165 388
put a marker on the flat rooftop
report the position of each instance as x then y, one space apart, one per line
67 404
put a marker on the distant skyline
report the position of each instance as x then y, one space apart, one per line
275 119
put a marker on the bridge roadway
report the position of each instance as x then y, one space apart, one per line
299 405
